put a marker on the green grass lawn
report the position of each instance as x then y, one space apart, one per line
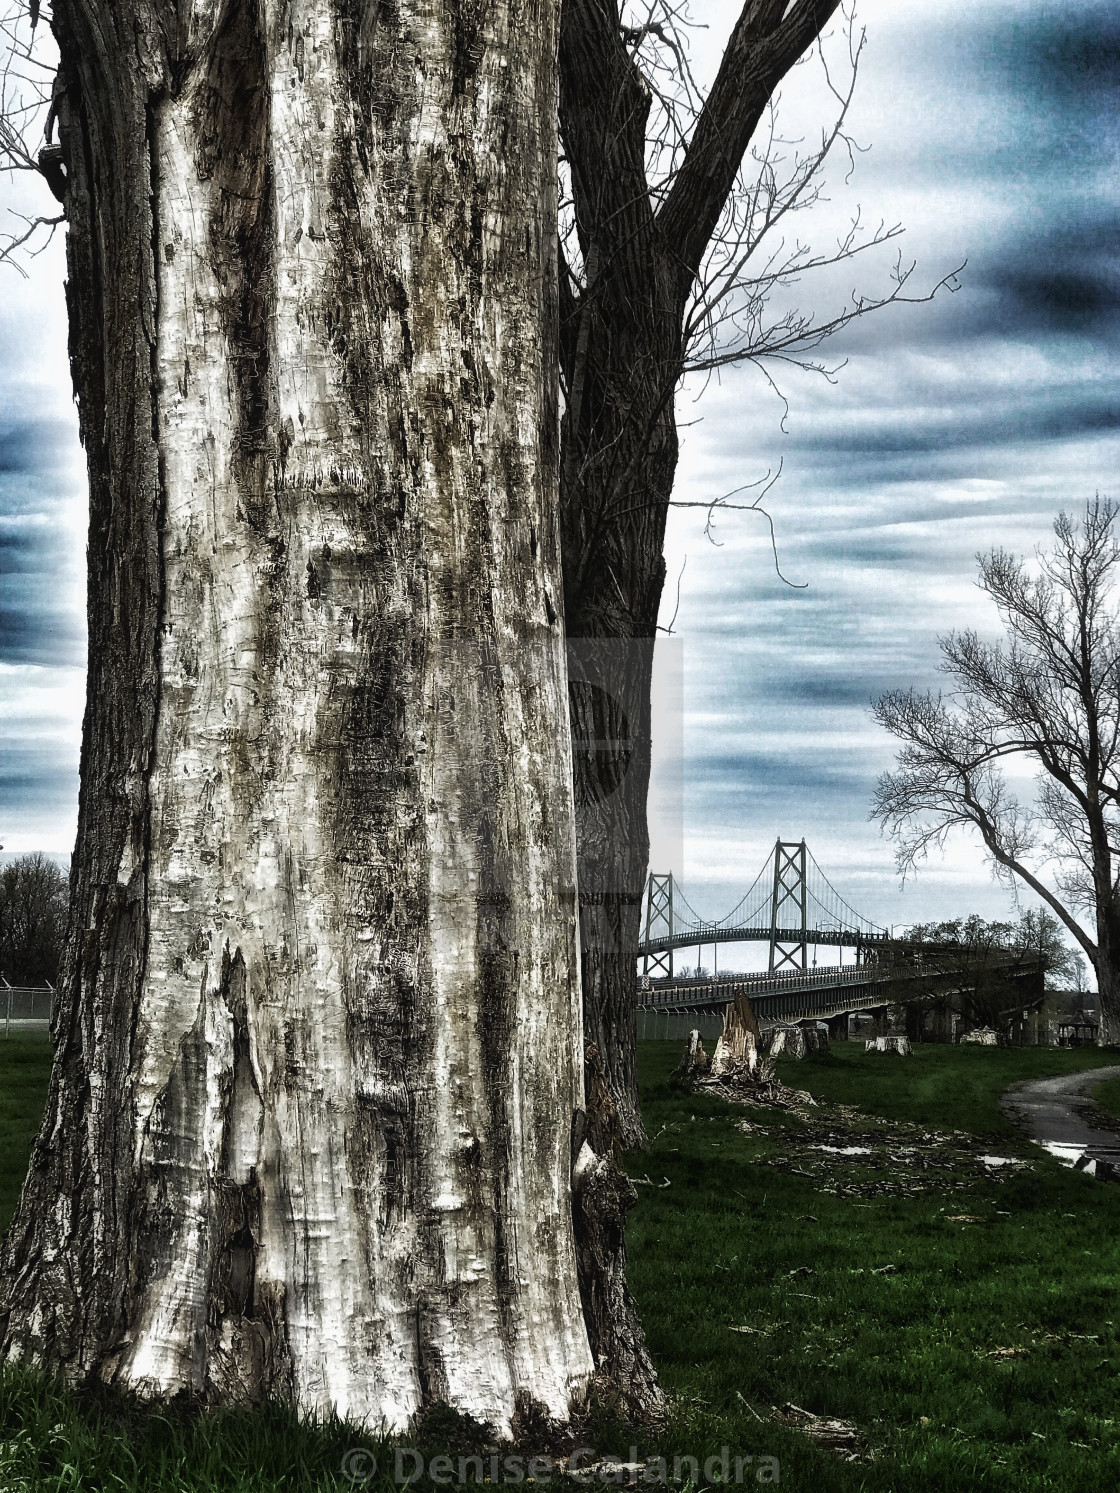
980 1355
955 1087
1107 1095
25 1067
987 1358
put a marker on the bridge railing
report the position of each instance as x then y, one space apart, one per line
774 1005
831 974
654 993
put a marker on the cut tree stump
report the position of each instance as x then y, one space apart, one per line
737 1069
794 1041
696 1062
739 1042
901 1045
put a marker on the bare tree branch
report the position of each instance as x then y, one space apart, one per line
10 247
28 62
767 40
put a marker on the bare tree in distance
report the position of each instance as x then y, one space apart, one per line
1047 697
678 255
33 899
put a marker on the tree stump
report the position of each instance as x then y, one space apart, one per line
696 1062
786 1042
901 1045
739 1041
795 1041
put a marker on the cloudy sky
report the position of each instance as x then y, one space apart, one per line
953 427
992 135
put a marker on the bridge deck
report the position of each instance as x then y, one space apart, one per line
702 933
797 994
791 995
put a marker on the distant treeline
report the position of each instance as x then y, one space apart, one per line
34 891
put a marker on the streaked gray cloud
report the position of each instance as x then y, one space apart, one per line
42 557
952 428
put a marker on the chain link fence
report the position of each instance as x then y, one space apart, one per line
25 1010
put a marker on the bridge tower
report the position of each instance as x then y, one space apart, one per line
659 924
789 906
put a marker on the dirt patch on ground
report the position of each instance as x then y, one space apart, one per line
851 1154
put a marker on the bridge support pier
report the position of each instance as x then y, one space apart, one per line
659 924
915 1022
838 1027
790 896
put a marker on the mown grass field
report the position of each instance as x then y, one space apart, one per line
1107 1095
978 1355
25 1065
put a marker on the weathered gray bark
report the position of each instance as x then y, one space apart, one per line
604 1194
319 1065
1106 964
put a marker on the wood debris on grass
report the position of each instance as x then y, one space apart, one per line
840 1149
840 1436
847 1153
1038 1340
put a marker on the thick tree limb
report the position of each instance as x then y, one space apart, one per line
762 49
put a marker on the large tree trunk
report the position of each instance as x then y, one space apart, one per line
1106 896
622 353
620 349
318 1054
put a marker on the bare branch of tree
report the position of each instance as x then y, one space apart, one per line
729 309
27 70
10 247
767 40
676 609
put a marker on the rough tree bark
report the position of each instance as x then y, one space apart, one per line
622 356
318 1067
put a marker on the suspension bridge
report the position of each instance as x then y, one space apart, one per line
792 907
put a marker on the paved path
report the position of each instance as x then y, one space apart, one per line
1060 1115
